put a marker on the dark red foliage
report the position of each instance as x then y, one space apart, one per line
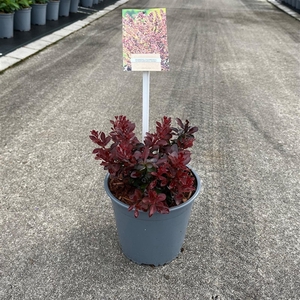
151 176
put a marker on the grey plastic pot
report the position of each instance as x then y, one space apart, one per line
292 3
64 8
52 10
156 240
38 14
87 3
22 20
74 6
6 25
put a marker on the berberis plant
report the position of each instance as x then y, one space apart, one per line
150 176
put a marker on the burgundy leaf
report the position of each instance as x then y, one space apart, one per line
149 177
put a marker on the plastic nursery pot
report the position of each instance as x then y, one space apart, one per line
74 6
22 20
64 8
52 10
87 3
6 25
156 240
38 14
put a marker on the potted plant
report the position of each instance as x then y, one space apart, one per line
39 12
7 10
151 186
52 10
22 19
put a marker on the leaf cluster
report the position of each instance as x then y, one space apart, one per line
40 1
151 176
8 6
24 3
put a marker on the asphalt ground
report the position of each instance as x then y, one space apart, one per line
235 74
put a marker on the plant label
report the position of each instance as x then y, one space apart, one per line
145 46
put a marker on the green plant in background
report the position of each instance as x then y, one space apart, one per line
24 3
8 6
40 1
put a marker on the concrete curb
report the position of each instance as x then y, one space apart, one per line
22 53
284 8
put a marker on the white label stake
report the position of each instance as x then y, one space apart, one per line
146 96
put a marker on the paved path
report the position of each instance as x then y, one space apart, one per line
235 74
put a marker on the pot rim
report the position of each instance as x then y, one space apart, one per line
174 208
24 9
6 14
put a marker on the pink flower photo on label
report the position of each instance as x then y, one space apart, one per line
145 46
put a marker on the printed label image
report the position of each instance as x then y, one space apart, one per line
145 46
